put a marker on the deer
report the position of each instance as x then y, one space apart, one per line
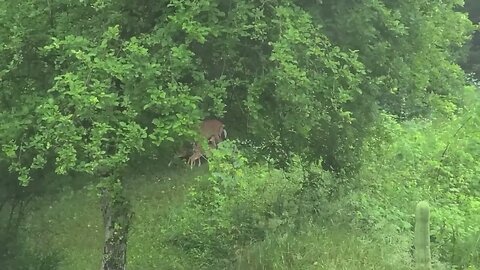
196 155
214 131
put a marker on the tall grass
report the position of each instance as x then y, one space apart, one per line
316 247
70 225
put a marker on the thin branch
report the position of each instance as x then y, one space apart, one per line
442 157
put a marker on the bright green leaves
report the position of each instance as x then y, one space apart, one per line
109 94
236 204
198 19
86 120
308 82
66 159
407 47
181 57
435 159
10 149
176 111
114 74
216 91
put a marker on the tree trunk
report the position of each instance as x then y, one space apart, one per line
116 219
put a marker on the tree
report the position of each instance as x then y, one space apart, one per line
408 48
85 96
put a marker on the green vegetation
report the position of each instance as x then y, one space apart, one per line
341 116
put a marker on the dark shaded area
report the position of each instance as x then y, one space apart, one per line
20 257
471 62
16 202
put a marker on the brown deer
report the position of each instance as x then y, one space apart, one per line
212 130
197 155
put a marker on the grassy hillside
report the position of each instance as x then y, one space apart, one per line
70 224
66 229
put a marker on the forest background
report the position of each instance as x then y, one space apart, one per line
341 117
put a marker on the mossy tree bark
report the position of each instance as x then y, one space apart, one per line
116 218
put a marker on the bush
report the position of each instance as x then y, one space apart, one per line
234 205
432 159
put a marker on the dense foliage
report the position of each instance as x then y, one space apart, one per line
346 114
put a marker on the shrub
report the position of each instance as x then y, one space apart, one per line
234 205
